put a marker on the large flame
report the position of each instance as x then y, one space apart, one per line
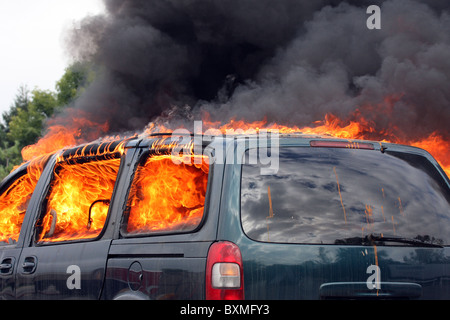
77 130
356 128
167 194
80 129
79 196
438 147
360 128
14 200
164 194
72 197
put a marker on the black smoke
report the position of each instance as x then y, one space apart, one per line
291 61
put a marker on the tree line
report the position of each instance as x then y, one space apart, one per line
24 122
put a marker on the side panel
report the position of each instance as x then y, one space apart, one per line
156 271
62 271
9 256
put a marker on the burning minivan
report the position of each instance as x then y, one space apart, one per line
153 218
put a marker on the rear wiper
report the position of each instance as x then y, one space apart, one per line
372 239
416 242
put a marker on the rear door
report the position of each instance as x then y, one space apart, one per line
65 255
169 222
337 222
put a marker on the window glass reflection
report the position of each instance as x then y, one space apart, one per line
329 195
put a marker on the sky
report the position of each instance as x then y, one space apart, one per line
32 42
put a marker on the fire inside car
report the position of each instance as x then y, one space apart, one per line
167 194
15 198
78 200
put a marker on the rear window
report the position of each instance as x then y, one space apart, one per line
327 195
166 195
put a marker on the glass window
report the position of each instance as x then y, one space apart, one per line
78 199
166 195
328 196
13 204
14 200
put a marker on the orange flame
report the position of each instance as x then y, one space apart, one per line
438 147
358 128
71 211
14 200
78 129
78 201
165 195
435 144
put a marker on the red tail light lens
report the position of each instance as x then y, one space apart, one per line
224 272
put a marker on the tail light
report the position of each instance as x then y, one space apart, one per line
224 272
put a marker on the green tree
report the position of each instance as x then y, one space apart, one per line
76 77
26 126
10 154
9 157
24 122
20 102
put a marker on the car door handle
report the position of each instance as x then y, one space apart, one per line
29 264
359 290
6 267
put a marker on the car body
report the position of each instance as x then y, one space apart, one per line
325 218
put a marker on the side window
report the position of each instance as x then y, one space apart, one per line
77 203
166 195
334 196
14 200
13 204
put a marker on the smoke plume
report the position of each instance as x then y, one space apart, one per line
289 61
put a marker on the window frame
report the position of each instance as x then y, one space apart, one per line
142 158
41 211
5 185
